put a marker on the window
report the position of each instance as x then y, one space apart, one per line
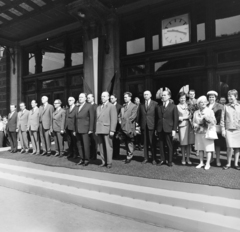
53 83
31 64
227 18
53 56
179 63
136 70
134 35
77 50
230 56
201 21
228 82
155 42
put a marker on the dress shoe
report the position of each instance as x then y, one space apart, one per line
27 151
10 150
86 163
237 167
49 153
109 165
62 155
188 162
161 163
33 153
183 162
219 164
127 161
14 151
38 153
200 165
81 162
226 167
22 151
56 154
44 153
207 167
144 161
170 164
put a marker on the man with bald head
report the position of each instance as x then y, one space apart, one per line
106 122
70 128
84 122
166 126
146 120
45 125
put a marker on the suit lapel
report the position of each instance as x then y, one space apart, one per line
102 110
44 109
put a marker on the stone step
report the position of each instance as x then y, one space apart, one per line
163 207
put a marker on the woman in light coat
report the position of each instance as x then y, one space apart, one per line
203 120
230 124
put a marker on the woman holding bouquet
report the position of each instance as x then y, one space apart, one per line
230 124
203 121
186 135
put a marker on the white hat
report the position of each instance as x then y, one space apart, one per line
212 92
202 99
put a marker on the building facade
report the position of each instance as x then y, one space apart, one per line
61 48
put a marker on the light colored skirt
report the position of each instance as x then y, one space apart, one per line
203 144
186 135
233 138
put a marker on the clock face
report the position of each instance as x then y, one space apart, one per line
175 30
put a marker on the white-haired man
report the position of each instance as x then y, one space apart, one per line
45 125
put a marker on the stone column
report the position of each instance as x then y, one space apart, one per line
15 75
111 57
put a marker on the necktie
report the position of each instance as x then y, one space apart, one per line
146 105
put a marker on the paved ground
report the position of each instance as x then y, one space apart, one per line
23 212
214 177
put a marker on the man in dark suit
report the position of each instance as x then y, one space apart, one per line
106 122
45 124
116 140
11 128
147 120
84 119
70 128
127 119
93 138
167 121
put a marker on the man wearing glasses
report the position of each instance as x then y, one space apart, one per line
58 127
70 128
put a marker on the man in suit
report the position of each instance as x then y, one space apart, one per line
45 124
166 126
116 140
11 128
70 128
84 120
22 127
57 128
138 137
106 123
93 138
147 120
33 126
127 119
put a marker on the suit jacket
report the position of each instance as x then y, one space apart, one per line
45 116
33 119
106 118
12 122
217 109
118 107
58 120
167 119
70 118
84 119
22 122
127 119
147 117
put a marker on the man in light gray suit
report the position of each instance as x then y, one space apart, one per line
45 124
106 122
33 126
22 127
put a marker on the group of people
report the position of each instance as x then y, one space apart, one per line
93 129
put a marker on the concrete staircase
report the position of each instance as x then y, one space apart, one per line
181 206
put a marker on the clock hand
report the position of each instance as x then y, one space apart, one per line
177 31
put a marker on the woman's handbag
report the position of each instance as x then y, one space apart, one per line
218 129
211 134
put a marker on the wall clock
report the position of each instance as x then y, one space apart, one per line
176 30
